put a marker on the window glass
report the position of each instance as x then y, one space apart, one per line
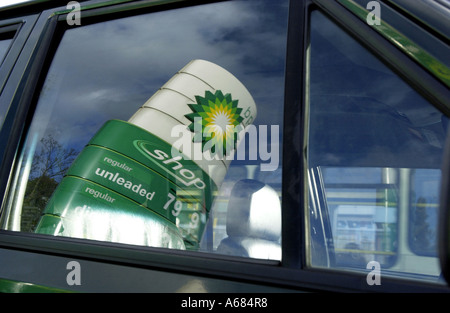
374 153
5 41
118 100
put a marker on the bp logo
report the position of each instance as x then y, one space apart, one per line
216 121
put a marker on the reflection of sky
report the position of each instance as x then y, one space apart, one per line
376 118
108 70
352 71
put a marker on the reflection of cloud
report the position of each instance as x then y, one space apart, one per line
377 118
343 67
107 70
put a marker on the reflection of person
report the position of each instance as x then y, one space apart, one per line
351 259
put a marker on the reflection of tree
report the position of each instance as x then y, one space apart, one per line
52 160
421 230
49 165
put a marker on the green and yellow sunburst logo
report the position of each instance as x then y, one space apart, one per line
216 121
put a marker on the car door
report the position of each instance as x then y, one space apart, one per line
334 186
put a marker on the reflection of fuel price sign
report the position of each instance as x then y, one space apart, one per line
131 184
365 228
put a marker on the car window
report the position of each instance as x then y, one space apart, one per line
374 153
119 100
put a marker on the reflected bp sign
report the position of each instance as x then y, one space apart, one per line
151 180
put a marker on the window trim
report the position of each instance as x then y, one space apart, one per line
293 238
16 117
292 272
21 28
